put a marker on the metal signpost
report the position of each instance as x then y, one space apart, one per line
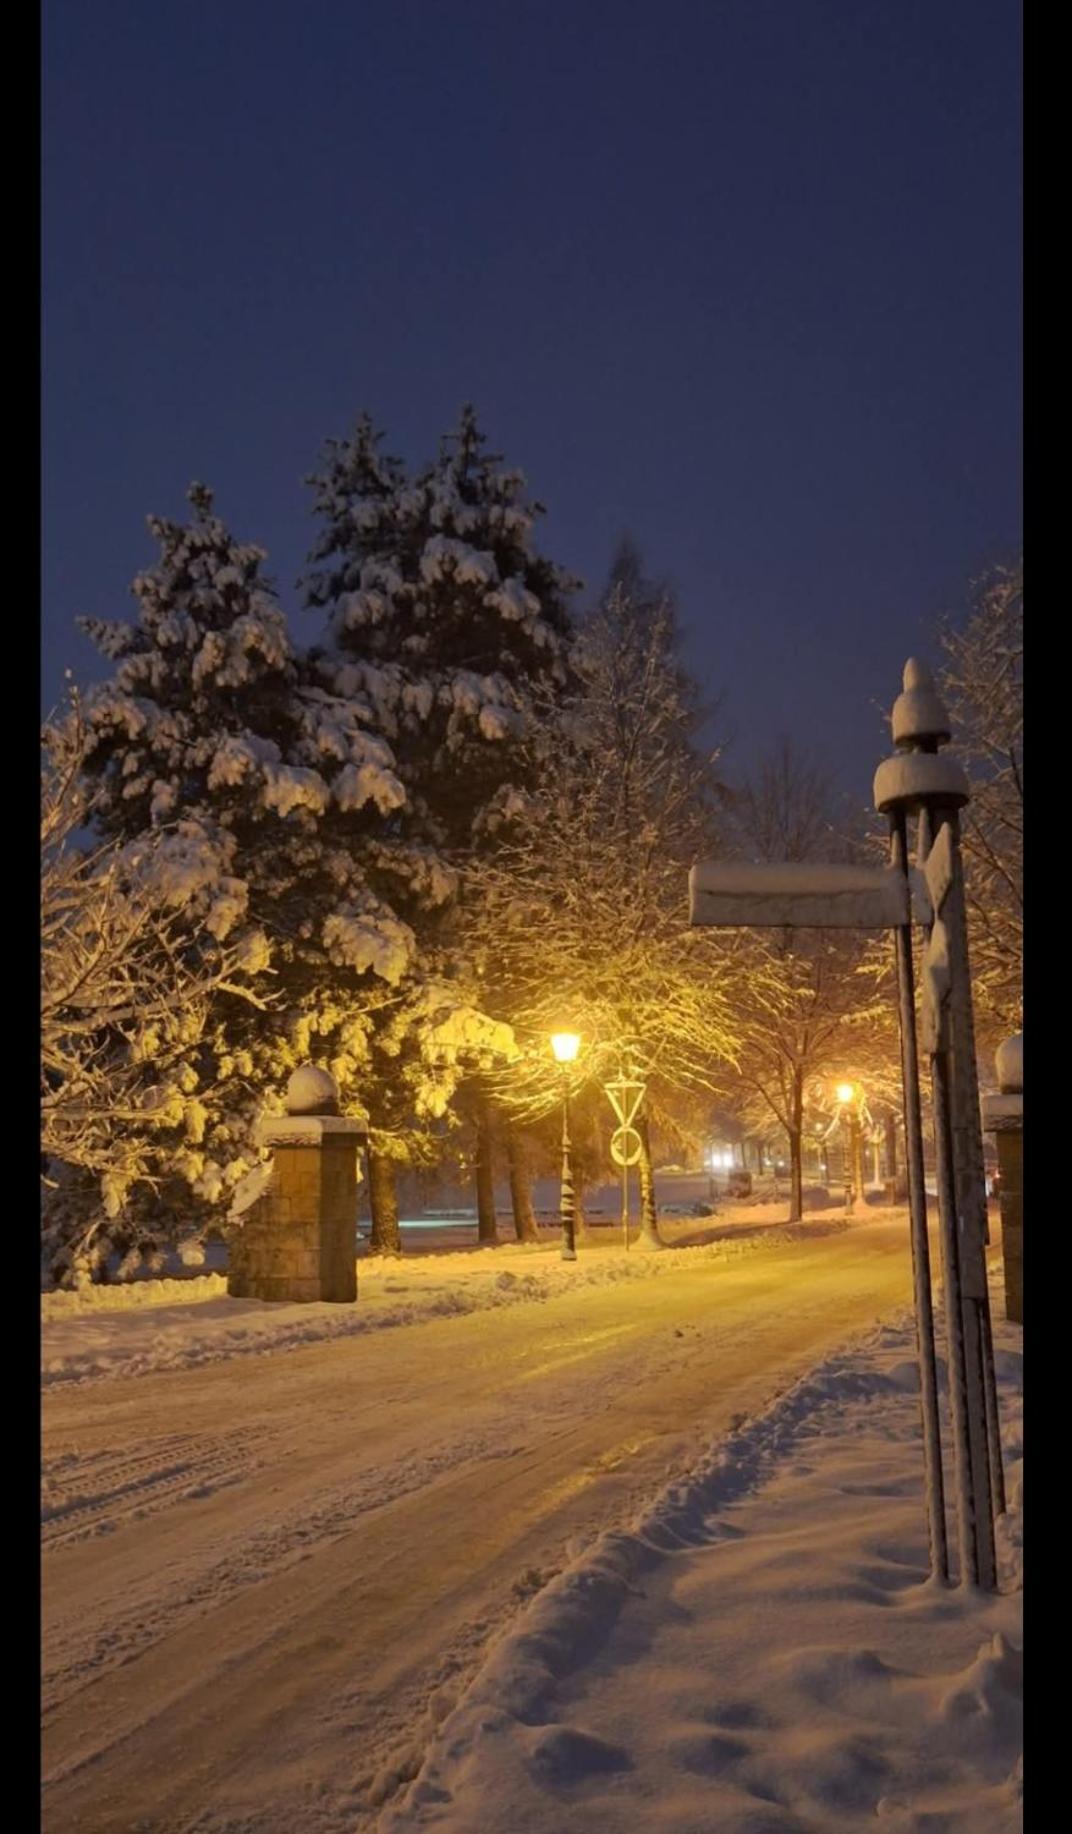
625 1094
917 782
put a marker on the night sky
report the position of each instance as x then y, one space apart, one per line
741 277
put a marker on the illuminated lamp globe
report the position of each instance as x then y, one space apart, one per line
565 1046
845 1092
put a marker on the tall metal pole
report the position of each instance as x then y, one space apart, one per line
968 1145
568 1208
921 779
965 1252
963 1449
917 1221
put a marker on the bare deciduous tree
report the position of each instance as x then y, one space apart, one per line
983 682
581 916
810 1005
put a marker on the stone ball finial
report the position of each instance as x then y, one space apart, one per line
1009 1064
312 1091
919 717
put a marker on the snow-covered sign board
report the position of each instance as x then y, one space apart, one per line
805 896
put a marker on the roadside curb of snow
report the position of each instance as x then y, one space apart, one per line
257 1332
559 1629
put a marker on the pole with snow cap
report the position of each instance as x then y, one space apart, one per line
917 1194
918 781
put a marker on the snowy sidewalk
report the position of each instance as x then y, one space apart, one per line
761 1652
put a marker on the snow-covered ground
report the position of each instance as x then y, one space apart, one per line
270 1579
144 1326
761 1651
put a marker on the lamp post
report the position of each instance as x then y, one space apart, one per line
850 1097
565 1046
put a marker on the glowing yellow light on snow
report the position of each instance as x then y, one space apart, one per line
845 1092
565 1046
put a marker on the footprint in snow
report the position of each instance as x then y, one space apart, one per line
709 1753
565 1754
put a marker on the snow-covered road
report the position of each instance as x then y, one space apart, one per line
268 1575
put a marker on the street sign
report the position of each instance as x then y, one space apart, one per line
625 1096
798 896
625 1146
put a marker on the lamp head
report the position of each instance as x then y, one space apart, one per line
565 1046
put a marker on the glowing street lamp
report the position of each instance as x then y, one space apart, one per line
565 1046
851 1099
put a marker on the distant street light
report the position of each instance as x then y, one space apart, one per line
851 1099
565 1046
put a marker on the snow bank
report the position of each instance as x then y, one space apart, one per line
148 1326
762 1650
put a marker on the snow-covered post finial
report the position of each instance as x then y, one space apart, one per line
919 720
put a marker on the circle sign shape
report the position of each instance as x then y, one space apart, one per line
625 1147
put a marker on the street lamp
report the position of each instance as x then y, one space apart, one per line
565 1046
850 1097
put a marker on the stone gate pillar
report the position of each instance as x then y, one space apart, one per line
298 1241
1003 1116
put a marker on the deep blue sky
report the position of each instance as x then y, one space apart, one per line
740 276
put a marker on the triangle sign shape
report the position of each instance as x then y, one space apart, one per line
625 1098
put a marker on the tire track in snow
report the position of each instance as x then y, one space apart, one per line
249 1559
81 1497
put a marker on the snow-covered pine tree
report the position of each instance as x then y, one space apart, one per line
443 612
285 827
443 615
125 1006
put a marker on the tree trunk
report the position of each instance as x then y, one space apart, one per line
386 1238
579 1185
649 1227
891 1147
796 1150
487 1234
859 1176
520 1187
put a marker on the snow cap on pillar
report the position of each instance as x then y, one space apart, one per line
919 717
918 775
1009 1064
312 1091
